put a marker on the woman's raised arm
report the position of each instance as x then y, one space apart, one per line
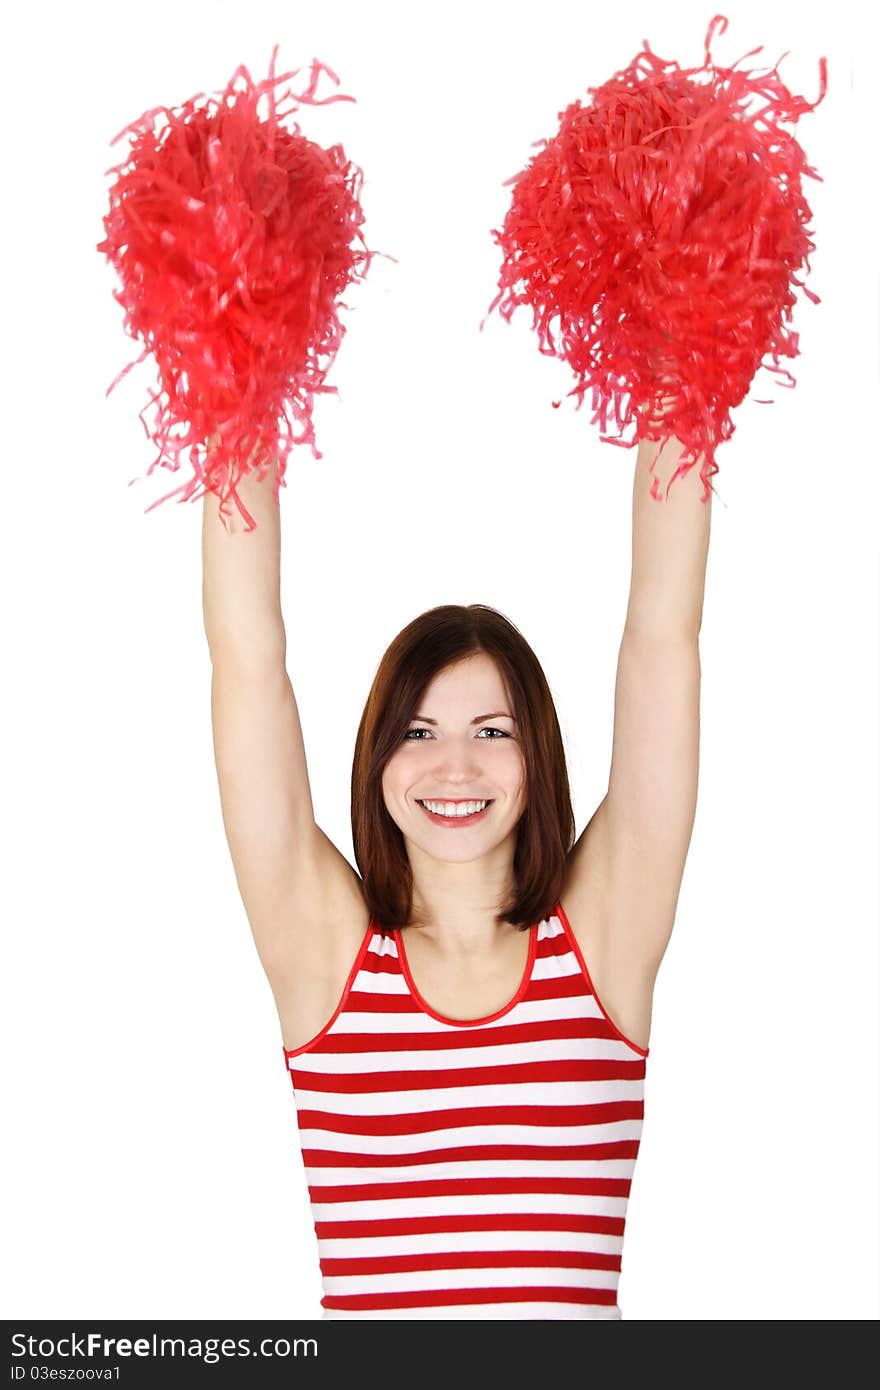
302 897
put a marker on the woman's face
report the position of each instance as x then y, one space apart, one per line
463 746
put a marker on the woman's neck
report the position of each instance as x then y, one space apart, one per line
458 905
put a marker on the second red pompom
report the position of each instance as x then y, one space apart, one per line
658 238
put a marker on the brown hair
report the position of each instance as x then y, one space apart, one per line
545 833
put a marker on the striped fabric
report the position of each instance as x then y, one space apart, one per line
470 1170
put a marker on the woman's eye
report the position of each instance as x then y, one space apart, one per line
410 732
490 730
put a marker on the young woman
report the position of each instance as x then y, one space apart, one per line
466 1019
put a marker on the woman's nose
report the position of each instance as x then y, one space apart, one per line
458 762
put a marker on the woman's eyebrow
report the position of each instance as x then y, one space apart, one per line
498 714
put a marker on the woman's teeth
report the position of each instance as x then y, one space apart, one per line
454 809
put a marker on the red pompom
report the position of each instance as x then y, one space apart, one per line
663 229
232 237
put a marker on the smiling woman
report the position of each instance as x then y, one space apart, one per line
467 1054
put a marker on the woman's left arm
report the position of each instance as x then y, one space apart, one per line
639 836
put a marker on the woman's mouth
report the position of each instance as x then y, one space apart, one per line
453 814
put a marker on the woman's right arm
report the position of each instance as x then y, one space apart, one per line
302 897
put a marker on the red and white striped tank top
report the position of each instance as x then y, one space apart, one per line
474 1169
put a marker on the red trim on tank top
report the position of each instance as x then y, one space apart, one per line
469 1022
358 961
560 913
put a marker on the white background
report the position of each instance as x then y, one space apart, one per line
151 1165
